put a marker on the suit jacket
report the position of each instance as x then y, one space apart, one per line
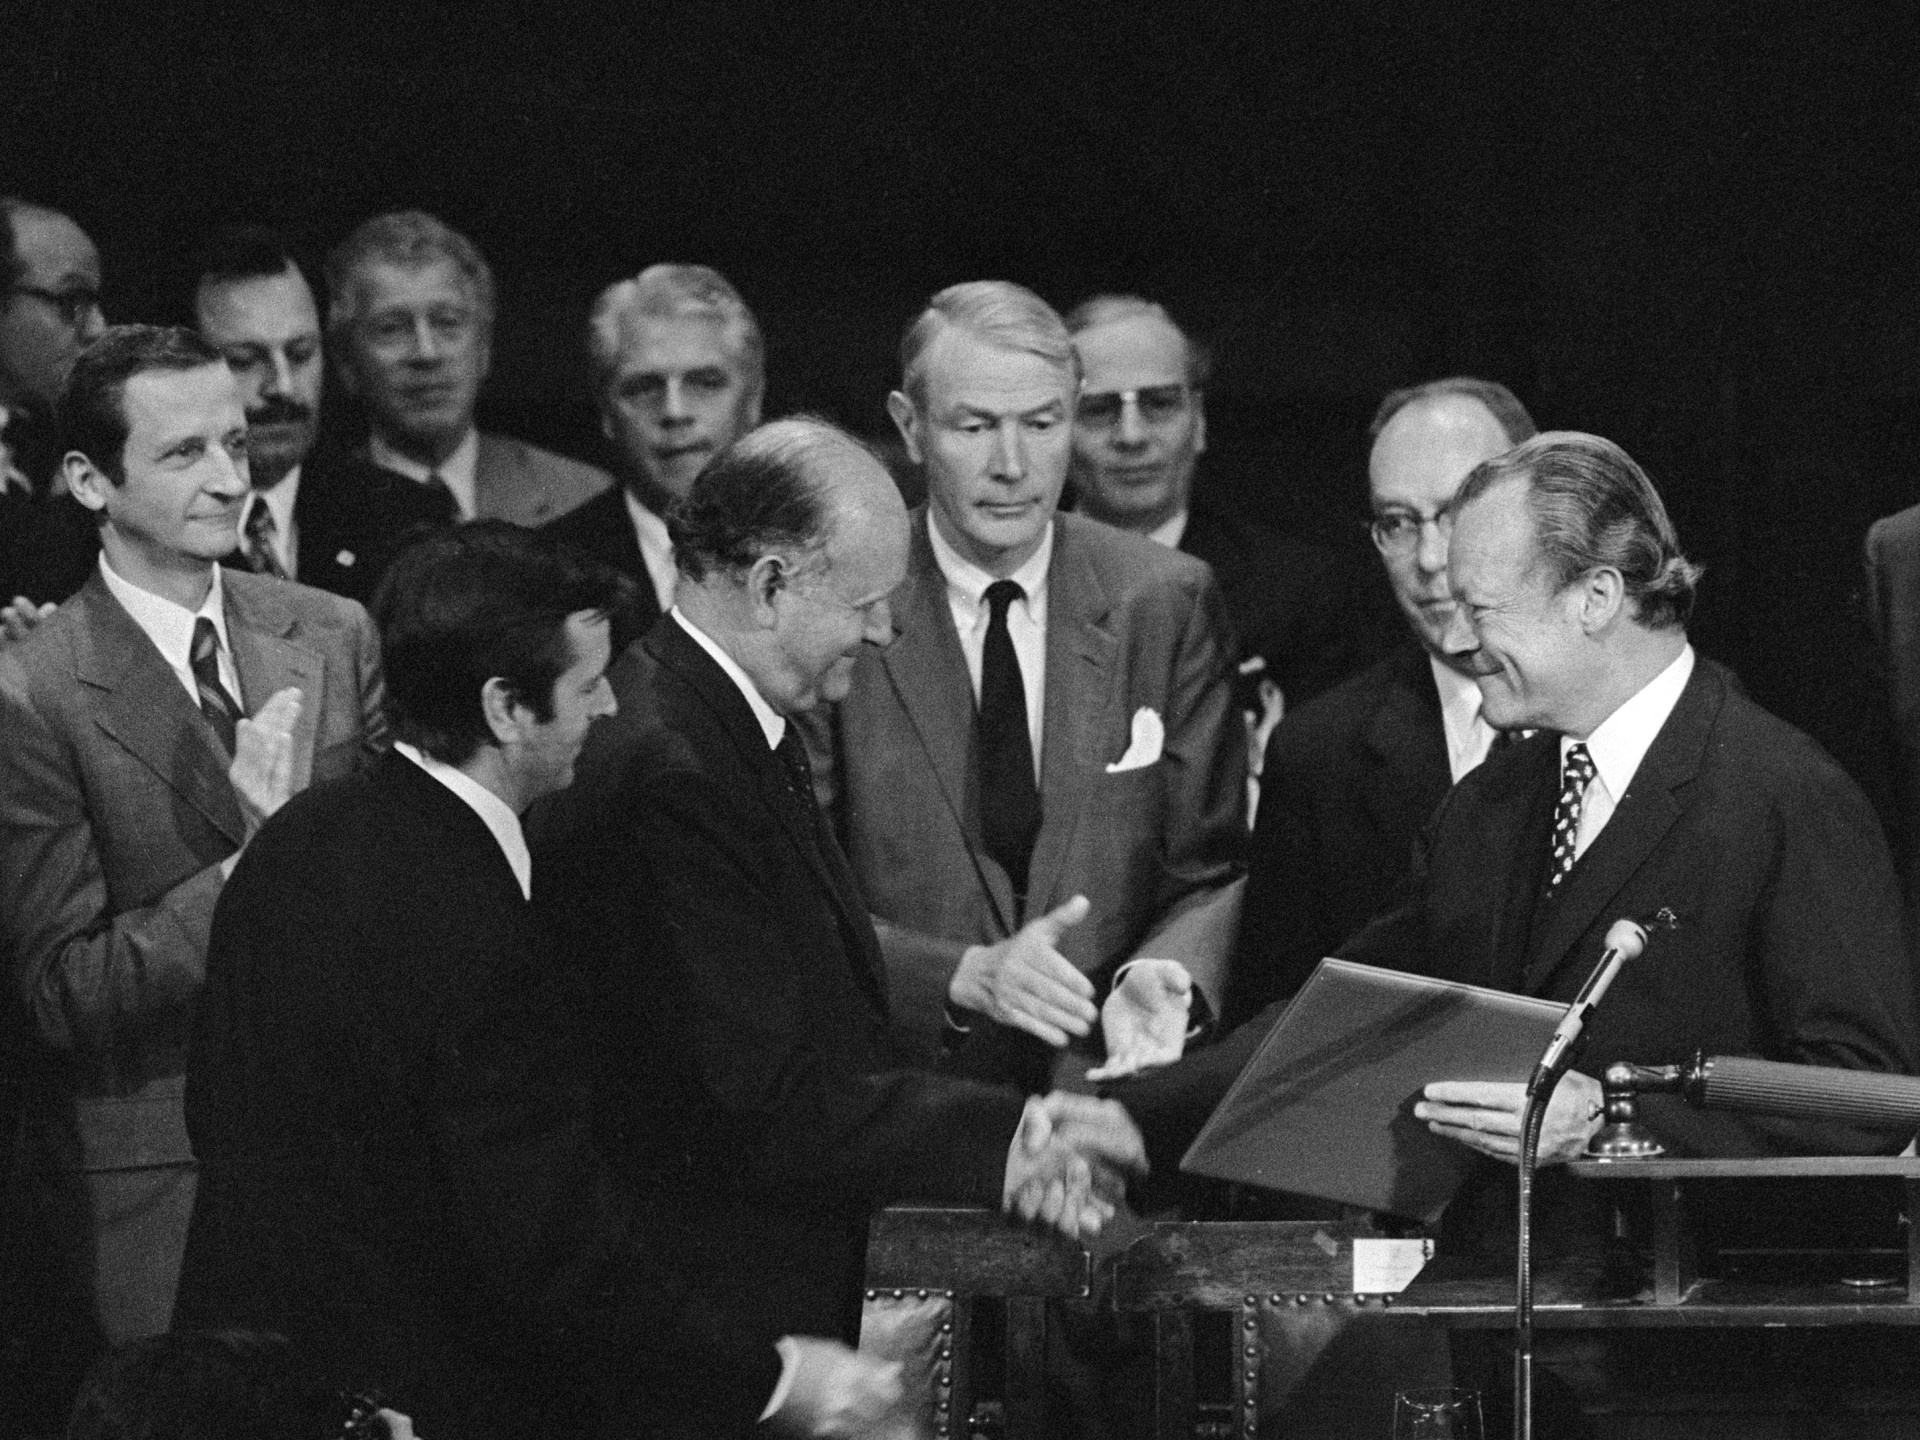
1893 612
602 530
351 517
758 1099
397 1168
1350 779
115 814
521 482
1157 849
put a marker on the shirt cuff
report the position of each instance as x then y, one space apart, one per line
788 1360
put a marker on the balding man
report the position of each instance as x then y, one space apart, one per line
678 373
1351 776
410 316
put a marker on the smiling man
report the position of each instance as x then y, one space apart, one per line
1042 778
679 372
410 313
152 723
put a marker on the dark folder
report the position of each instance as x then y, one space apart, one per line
1325 1106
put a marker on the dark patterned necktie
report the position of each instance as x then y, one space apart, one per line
449 508
220 708
791 752
1009 799
256 541
1576 773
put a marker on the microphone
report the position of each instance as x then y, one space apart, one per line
1625 940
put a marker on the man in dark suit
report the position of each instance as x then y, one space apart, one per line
410 319
759 1098
316 515
1352 775
1893 612
386 1092
130 779
679 371
1139 429
1042 779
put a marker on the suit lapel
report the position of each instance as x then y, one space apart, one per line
1080 661
1640 821
928 672
1521 786
1407 741
490 478
144 708
259 627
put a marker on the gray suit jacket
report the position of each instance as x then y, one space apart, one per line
115 813
1157 849
530 486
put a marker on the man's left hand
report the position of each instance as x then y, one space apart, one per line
1144 1020
1485 1115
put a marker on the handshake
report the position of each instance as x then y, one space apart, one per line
1069 1162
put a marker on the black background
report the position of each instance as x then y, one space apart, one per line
1690 227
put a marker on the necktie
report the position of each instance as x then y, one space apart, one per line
220 708
256 541
792 755
1009 800
436 484
1576 774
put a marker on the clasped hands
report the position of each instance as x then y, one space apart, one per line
1485 1115
1068 1165
1025 982
262 770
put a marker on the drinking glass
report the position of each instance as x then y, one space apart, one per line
1437 1414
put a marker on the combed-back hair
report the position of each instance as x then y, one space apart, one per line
1593 508
10 267
242 252
762 495
412 240
999 312
1105 309
1500 402
92 413
671 292
462 606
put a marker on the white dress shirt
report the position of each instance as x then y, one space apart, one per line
656 550
279 502
1619 743
1170 531
772 723
494 812
170 627
458 469
1469 736
1026 622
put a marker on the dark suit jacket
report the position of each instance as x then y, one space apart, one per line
351 517
1789 945
518 481
602 530
397 1168
1350 779
1131 625
1893 612
761 1105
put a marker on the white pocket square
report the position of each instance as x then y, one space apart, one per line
1144 746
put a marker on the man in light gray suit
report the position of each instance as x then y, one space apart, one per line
410 320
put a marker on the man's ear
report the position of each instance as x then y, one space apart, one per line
767 578
752 407
906 419
1199 422
86 482
1603 593
504 714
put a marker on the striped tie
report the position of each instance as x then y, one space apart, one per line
221 709
256 541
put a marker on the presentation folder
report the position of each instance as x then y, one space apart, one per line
1325 1106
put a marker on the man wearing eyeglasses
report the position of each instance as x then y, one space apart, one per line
1139 429
49 311
1351 777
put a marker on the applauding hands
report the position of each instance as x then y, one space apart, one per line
1069 1162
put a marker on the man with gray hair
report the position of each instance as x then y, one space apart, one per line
1042 779
1352 775
410 319
679 371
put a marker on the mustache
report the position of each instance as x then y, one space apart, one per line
279 412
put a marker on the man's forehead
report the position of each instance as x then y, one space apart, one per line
1431 445
162 403
1493 535
257 307
54 249
438 281
676 342
1131 353
964 371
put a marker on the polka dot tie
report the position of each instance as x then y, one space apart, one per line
1576 773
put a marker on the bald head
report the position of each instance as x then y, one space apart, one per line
1420 457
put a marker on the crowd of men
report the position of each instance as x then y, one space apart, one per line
507 926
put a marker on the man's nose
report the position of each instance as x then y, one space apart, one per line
1133 430
1009 452
426 345
879 631
1430 547
231 479
93 323
673 407
1459 638
279 376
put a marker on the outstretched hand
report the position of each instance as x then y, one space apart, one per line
1144 1020
841 1393
1026 982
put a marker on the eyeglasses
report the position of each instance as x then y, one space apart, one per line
1155 404
72 306
1396 532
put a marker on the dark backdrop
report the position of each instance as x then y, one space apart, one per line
1689 227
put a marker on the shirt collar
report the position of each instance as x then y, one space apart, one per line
459 469
168 625
1620 742
772 723
967 582
279 502
1170 530
656 546
494 812
1460 697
